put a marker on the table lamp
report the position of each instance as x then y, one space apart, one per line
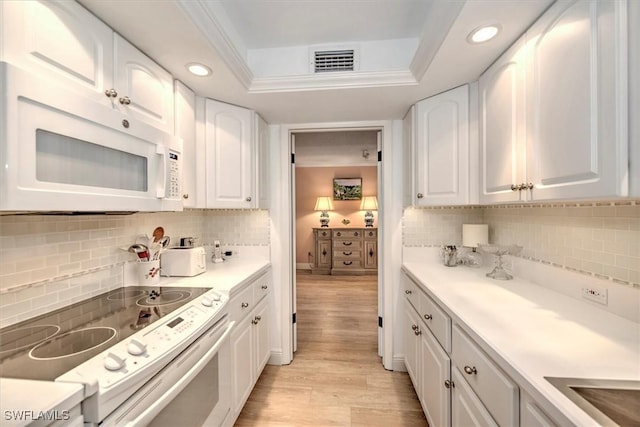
369 204
324 204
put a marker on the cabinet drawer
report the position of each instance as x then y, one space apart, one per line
347 245
347 264
242 303
324 234
347 254
347 234
371 234
411 291
496 391
261 288
436 320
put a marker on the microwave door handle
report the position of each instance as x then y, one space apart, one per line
153 410
161 190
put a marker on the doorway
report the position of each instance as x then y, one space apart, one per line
325 164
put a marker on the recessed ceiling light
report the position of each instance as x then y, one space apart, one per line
484 33
199 69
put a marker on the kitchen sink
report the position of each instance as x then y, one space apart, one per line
609 402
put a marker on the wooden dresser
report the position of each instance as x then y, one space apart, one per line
348 251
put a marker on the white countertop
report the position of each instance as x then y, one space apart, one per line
22 401
537 331
49 396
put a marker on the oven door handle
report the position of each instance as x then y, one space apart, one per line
153 410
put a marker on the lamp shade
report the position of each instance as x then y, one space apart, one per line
474 234
369 203
324 204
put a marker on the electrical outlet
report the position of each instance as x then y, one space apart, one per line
595 293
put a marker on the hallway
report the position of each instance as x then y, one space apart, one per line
336 377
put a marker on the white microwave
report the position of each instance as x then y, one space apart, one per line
60 151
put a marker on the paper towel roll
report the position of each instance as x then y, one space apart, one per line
472 234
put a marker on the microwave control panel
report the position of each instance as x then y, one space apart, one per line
174 176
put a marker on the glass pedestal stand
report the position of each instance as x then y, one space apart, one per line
499 273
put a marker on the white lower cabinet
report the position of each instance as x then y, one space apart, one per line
250 348
457 382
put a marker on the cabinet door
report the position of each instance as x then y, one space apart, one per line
185 129
466 408
242 357
61 42
577 101
408 157
229 156
411 343
323 253
145 90
263 184
502 126
435 369
261 336
442 149
370 254
531 415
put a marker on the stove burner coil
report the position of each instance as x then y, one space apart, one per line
122 294
163 298
72 343
21 338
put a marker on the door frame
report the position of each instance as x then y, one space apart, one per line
389 220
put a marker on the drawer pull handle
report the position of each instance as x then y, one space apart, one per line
428 317
470 370
414 327
347 243
449 384
347 262
244 305
265 287
408 292
347 253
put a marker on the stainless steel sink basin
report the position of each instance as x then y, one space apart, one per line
609 402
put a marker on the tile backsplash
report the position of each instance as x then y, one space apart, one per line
600 238
48 261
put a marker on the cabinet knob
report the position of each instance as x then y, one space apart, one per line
529 186
449 384
125 100
408 292
111 93
244 305
265 287
258 318
248 199
419 195
470 370
428 317
414 327
125 124
356 234
185 196
515 187
417 332
338 234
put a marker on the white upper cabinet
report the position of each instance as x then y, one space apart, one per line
145 90
408 144
192 163
502 127
441 147
61 42
229 156
577 101
66 45
553 121
263 153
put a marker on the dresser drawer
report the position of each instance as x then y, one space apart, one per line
370 234
347 234
347 245
436 320
411 291
242 303
347 255
343 264
497 392
323 234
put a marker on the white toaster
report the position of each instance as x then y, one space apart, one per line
183 262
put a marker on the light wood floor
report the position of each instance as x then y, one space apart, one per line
336 377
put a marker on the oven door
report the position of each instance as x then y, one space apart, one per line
192 390
63 152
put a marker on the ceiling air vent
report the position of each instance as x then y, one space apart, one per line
333 60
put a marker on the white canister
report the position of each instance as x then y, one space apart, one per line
148 272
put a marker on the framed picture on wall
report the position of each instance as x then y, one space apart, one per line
347 188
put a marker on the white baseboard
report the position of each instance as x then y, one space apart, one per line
398 364
303 266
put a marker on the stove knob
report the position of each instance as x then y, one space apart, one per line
136 347
207 300
113 361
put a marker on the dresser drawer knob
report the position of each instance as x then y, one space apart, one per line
470 370
347 262
347 253
347 243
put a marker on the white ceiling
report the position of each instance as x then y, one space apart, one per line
228 30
